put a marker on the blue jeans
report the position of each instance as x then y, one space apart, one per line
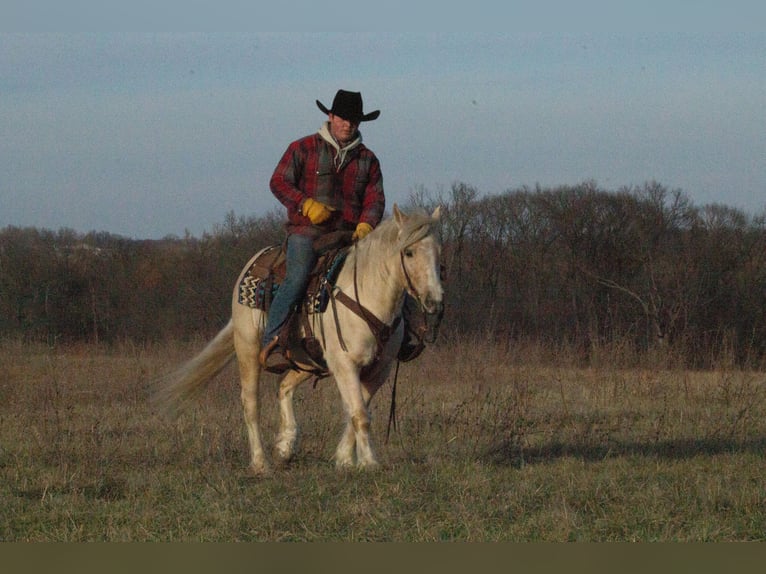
300 260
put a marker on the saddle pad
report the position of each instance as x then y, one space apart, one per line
261 281
253 292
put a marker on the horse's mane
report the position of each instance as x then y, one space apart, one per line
417 226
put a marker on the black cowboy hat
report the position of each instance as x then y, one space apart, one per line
348 105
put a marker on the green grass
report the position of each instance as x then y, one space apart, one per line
505 444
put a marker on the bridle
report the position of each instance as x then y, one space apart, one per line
410 286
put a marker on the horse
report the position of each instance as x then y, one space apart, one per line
400 256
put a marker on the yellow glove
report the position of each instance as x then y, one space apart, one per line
362 229
317 212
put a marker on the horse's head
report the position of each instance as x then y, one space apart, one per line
420 253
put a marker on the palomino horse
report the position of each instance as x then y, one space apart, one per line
401 255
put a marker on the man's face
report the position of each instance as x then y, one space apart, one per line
341 129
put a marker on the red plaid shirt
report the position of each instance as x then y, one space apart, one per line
307 169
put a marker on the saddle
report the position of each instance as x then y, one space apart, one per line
262 279
266 272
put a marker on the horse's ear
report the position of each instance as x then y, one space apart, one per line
399 216
437 212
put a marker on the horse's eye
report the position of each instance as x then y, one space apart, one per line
408 253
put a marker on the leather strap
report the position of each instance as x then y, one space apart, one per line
380 330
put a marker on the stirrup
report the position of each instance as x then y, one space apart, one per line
271 357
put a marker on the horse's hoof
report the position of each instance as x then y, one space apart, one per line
260 470
282 460
344 464
371 465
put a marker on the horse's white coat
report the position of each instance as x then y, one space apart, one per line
381 281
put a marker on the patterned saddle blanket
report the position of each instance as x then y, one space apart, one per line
262 278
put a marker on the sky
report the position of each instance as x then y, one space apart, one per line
154 134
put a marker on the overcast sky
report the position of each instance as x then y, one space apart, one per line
152 134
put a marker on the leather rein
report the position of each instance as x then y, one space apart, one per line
381 331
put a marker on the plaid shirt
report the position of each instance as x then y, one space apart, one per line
307 169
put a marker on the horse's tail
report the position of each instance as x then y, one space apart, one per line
186 383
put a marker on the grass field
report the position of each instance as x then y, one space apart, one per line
493 444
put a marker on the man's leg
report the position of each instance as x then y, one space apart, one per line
300 260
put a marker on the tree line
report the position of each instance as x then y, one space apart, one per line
575 266
641 266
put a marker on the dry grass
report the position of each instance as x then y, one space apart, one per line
493 443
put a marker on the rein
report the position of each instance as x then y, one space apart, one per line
379 329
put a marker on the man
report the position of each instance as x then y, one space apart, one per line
328 181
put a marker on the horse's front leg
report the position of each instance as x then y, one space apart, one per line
369 386
365 458
345 453
355 441
284 449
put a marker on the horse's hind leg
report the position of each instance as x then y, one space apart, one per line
247 347
284 449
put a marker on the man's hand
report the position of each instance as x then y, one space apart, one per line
317 212
362 229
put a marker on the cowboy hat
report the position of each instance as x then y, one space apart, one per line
348 105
